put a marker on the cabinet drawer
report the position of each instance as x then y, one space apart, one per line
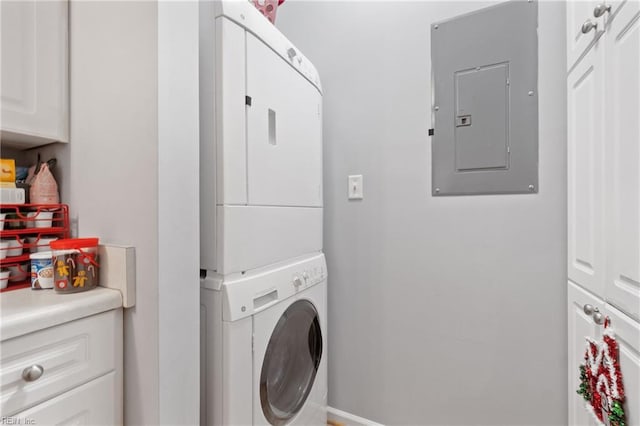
90 404
70 354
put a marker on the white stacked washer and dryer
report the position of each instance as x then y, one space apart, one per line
264 277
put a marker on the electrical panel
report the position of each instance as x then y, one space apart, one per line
485 101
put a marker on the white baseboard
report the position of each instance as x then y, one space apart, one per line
348 419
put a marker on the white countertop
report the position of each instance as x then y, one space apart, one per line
25 311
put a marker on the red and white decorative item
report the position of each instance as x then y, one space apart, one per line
601 380
268 8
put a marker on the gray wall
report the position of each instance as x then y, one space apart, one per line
442 311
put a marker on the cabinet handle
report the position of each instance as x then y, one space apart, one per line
33 373
588 26
601 9
588 309
598 318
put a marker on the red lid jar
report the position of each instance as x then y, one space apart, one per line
75 264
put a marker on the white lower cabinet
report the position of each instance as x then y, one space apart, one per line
627 333
581 325
628 336
90 404
67 374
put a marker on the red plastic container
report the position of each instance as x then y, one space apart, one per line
75 264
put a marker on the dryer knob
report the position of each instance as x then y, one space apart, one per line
305 277
297 281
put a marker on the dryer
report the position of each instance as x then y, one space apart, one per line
261 142
263 346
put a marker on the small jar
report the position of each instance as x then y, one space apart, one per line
75 264
41 270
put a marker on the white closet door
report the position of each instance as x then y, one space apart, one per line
622 128
284 132
581 325
585 123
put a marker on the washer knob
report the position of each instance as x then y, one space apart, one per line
297 282
305 277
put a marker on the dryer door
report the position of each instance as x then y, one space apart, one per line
290 362
284 132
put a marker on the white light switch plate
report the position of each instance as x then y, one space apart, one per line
355 187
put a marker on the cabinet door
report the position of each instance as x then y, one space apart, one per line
90 404
585 124
578 12
581 325
622 164
34 91
627 332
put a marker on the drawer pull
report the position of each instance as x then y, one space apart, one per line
33 373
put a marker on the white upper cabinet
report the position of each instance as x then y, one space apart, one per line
622 157
34 57
603 122
585 95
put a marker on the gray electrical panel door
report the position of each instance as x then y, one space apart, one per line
485 101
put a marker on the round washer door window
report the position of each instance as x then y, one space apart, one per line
290 362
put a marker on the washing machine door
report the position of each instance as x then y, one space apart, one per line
290 363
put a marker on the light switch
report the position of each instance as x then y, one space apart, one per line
355 187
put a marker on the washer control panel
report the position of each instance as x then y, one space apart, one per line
257 290
306 277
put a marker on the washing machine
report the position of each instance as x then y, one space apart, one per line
264 346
